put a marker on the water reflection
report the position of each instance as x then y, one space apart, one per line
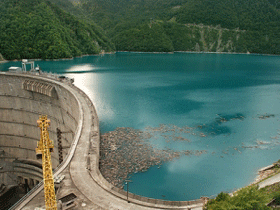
93 86
81 69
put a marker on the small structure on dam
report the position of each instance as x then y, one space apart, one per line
24 96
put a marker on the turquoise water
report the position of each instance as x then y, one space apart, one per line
234 100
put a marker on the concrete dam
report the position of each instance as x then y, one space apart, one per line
24 96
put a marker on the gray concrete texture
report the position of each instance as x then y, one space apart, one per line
19 111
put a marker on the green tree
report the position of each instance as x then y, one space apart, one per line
39 29
249 198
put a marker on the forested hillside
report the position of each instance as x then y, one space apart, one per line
184 25
40 29
65 28
245 14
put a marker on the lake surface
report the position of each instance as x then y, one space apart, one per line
231 103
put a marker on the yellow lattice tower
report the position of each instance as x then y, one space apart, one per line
44 148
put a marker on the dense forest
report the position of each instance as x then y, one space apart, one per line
188 25
40 29
66 28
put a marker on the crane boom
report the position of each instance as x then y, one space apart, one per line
44 149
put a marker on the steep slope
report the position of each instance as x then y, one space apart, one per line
205 38
243 14
148 38
39 29
168 25
244 25
108 13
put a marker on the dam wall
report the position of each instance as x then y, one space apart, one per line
23 98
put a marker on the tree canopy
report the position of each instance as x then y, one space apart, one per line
51 29
258 19
249 198
39 29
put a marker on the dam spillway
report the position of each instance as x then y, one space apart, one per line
23 97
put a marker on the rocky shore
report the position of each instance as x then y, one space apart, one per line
267 171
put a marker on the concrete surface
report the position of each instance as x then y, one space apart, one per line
272 180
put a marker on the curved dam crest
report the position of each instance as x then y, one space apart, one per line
71 110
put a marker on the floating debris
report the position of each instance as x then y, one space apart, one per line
259 142
266 116
170 132
226 118
126 151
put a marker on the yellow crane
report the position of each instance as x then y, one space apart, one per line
43 150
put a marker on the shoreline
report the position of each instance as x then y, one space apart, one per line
197 52
58 59
266 172
139 52
230 53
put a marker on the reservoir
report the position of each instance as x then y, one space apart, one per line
227 105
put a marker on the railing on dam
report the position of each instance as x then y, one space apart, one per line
144 201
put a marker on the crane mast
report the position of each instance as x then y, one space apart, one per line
43 150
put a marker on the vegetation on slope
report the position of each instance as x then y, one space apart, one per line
250 25
43 28
162 36
249 198
39 29
147 37
247 15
